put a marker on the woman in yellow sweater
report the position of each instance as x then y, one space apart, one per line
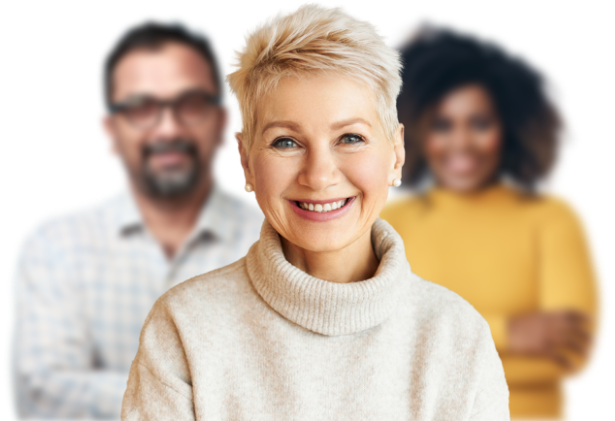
480 134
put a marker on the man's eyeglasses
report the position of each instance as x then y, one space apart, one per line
144 112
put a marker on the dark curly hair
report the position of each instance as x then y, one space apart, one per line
436 61
150 31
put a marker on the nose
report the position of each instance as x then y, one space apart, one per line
168 126
320 169
461 139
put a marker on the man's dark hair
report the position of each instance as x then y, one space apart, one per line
437 61
151 36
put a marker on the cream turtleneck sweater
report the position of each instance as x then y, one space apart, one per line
262 340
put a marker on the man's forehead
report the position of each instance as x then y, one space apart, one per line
163 72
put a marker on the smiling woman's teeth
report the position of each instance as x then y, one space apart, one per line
327 207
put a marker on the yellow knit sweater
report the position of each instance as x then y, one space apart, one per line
505 253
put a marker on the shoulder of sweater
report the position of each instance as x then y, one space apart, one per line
219 285
433 302
562 205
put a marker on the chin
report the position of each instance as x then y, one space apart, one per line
468 185
323 243
321 237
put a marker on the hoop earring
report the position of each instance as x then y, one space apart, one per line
397 182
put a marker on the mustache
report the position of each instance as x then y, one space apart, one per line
177 145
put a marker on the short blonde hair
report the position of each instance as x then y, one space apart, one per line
315 39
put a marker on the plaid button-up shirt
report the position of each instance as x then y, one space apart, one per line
85 285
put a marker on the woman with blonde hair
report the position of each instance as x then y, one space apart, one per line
482 134
323 319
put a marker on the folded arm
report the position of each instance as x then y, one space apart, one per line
567 280
54 370
545 345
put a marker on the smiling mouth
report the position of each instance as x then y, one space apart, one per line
322 207
461 164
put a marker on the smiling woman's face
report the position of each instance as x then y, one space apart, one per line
320 162
464 141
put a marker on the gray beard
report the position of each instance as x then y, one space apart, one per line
172 182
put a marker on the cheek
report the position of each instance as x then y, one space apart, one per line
129 142
206 143
207 135
434 146
272 177
490 144
369 173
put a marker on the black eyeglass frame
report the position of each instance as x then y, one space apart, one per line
121 107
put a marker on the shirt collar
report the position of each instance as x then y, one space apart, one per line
212 219
214 216
128 216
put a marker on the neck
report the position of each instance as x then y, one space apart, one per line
171 220
469 191
353 263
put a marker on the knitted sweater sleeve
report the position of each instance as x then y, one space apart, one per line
491 401
468 374
159 385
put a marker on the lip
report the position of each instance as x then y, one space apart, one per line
461 165
321 202
322 216
169 158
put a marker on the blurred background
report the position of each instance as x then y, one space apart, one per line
54 156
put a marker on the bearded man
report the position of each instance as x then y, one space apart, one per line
87 282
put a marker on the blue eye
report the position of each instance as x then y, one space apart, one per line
284 143
351 139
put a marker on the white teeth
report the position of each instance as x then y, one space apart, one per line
327 207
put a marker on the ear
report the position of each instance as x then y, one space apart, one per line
222 122
107 134
245 162
226 126
399 154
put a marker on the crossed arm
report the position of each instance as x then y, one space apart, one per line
549 343
54 371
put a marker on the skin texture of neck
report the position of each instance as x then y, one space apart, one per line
356 262
489 182
172 220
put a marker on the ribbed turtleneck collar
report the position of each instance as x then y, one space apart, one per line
325 307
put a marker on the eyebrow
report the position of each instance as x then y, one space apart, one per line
349 122
284 124
335 126
136 96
